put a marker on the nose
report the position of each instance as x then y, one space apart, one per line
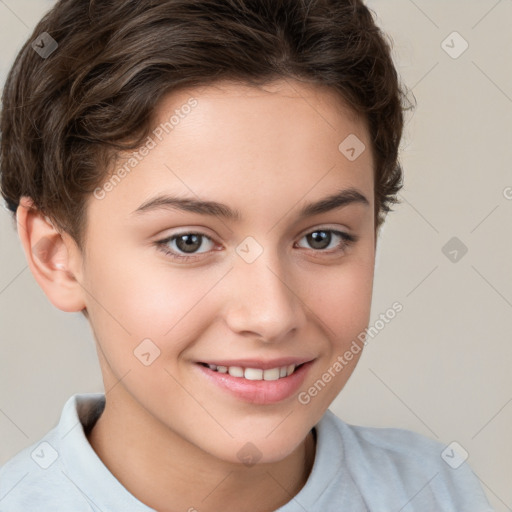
263 300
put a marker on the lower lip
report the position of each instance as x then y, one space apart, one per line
258 391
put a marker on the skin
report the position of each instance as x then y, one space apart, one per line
266 152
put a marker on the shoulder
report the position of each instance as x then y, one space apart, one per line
408 464
40 477
36 479
400 445
384 446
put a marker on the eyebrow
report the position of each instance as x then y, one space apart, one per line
166 202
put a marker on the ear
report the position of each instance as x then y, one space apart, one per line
53 258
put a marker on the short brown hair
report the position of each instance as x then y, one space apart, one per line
66 116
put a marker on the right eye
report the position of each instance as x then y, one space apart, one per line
186 242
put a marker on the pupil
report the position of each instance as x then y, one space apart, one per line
188 243
317 239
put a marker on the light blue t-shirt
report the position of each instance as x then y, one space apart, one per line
355 469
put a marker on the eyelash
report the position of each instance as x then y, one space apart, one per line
347 241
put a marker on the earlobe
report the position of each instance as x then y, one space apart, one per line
49 258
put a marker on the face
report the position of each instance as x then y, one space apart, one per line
261 287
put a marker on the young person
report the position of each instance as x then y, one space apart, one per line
205 181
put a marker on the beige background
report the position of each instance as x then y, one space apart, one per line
442 366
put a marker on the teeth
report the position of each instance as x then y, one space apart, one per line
255 373
236 371
272 374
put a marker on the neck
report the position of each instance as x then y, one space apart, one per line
161 468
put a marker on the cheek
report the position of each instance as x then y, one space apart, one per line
343 304
134 300
343 300
137 298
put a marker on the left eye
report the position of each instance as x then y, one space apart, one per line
321 239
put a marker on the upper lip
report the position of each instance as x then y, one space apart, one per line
259 363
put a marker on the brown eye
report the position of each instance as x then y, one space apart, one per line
189 242
185 245
321 239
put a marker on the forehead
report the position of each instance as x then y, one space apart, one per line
283 106
253 147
